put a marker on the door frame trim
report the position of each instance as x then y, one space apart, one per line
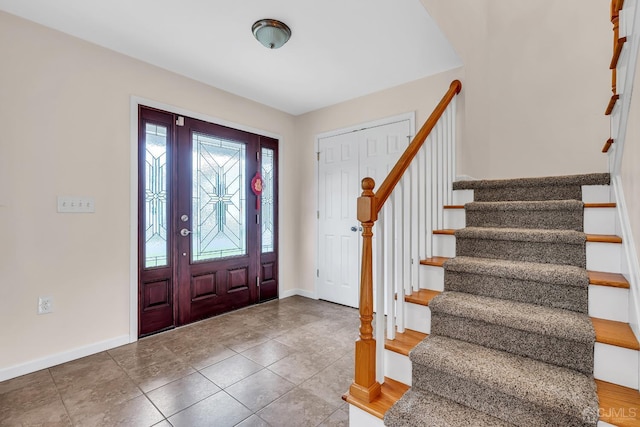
135 101
411 116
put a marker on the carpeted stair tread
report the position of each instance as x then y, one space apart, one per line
540 384
522 235
546 188
565 247
551 285
552 214
557 274
567 180
546 205
563 324
421 408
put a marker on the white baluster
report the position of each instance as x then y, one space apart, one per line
389 251
453 143
406 233
415 259
429 194
422 212
378 283
398 236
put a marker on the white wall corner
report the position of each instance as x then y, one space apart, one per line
301 292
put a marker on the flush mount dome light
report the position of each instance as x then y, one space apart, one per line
271 33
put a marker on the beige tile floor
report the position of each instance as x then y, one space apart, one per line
282 363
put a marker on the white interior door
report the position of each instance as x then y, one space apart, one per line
343 161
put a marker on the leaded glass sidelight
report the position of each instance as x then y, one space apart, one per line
155 219
219 199
267 200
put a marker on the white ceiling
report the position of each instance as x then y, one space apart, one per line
339 50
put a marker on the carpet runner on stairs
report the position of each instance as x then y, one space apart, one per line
511 342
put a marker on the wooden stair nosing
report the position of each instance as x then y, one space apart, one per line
436 261
600 205
422 296
618 405
613 280
604 238
404 341
446 231
615 333
390 392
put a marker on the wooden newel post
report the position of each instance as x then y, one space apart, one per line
365 387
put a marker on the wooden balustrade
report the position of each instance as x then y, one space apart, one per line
618 43
365 387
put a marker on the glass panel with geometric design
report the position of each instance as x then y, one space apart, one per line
155 214
267 200
219 199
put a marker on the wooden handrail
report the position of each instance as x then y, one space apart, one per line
365 387
404 161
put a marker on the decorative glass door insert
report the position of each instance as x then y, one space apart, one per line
155 226
219 198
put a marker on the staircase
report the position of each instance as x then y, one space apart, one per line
533 308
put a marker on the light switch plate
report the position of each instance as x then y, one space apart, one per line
73 204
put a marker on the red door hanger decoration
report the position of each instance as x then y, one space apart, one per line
256 187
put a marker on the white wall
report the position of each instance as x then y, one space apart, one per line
64 121
536 84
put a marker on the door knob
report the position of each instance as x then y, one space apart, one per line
184 232
354 229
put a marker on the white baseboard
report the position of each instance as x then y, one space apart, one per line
302 292
65 356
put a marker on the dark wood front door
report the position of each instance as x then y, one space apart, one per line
201 250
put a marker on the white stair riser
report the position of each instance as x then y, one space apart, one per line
600 220
360 418
418 318
604 257
431 277
596 194
444 245
397 367
606 302
616 365
454 218
462 197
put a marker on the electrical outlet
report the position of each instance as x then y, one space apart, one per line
45 305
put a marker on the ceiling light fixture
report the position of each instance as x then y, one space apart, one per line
271 33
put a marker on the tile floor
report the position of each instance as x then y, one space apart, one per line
282 363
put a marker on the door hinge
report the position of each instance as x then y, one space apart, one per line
257 218
318 214
257 281
180 121
257 155
318 156
318 273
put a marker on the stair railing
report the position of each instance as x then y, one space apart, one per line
417 188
